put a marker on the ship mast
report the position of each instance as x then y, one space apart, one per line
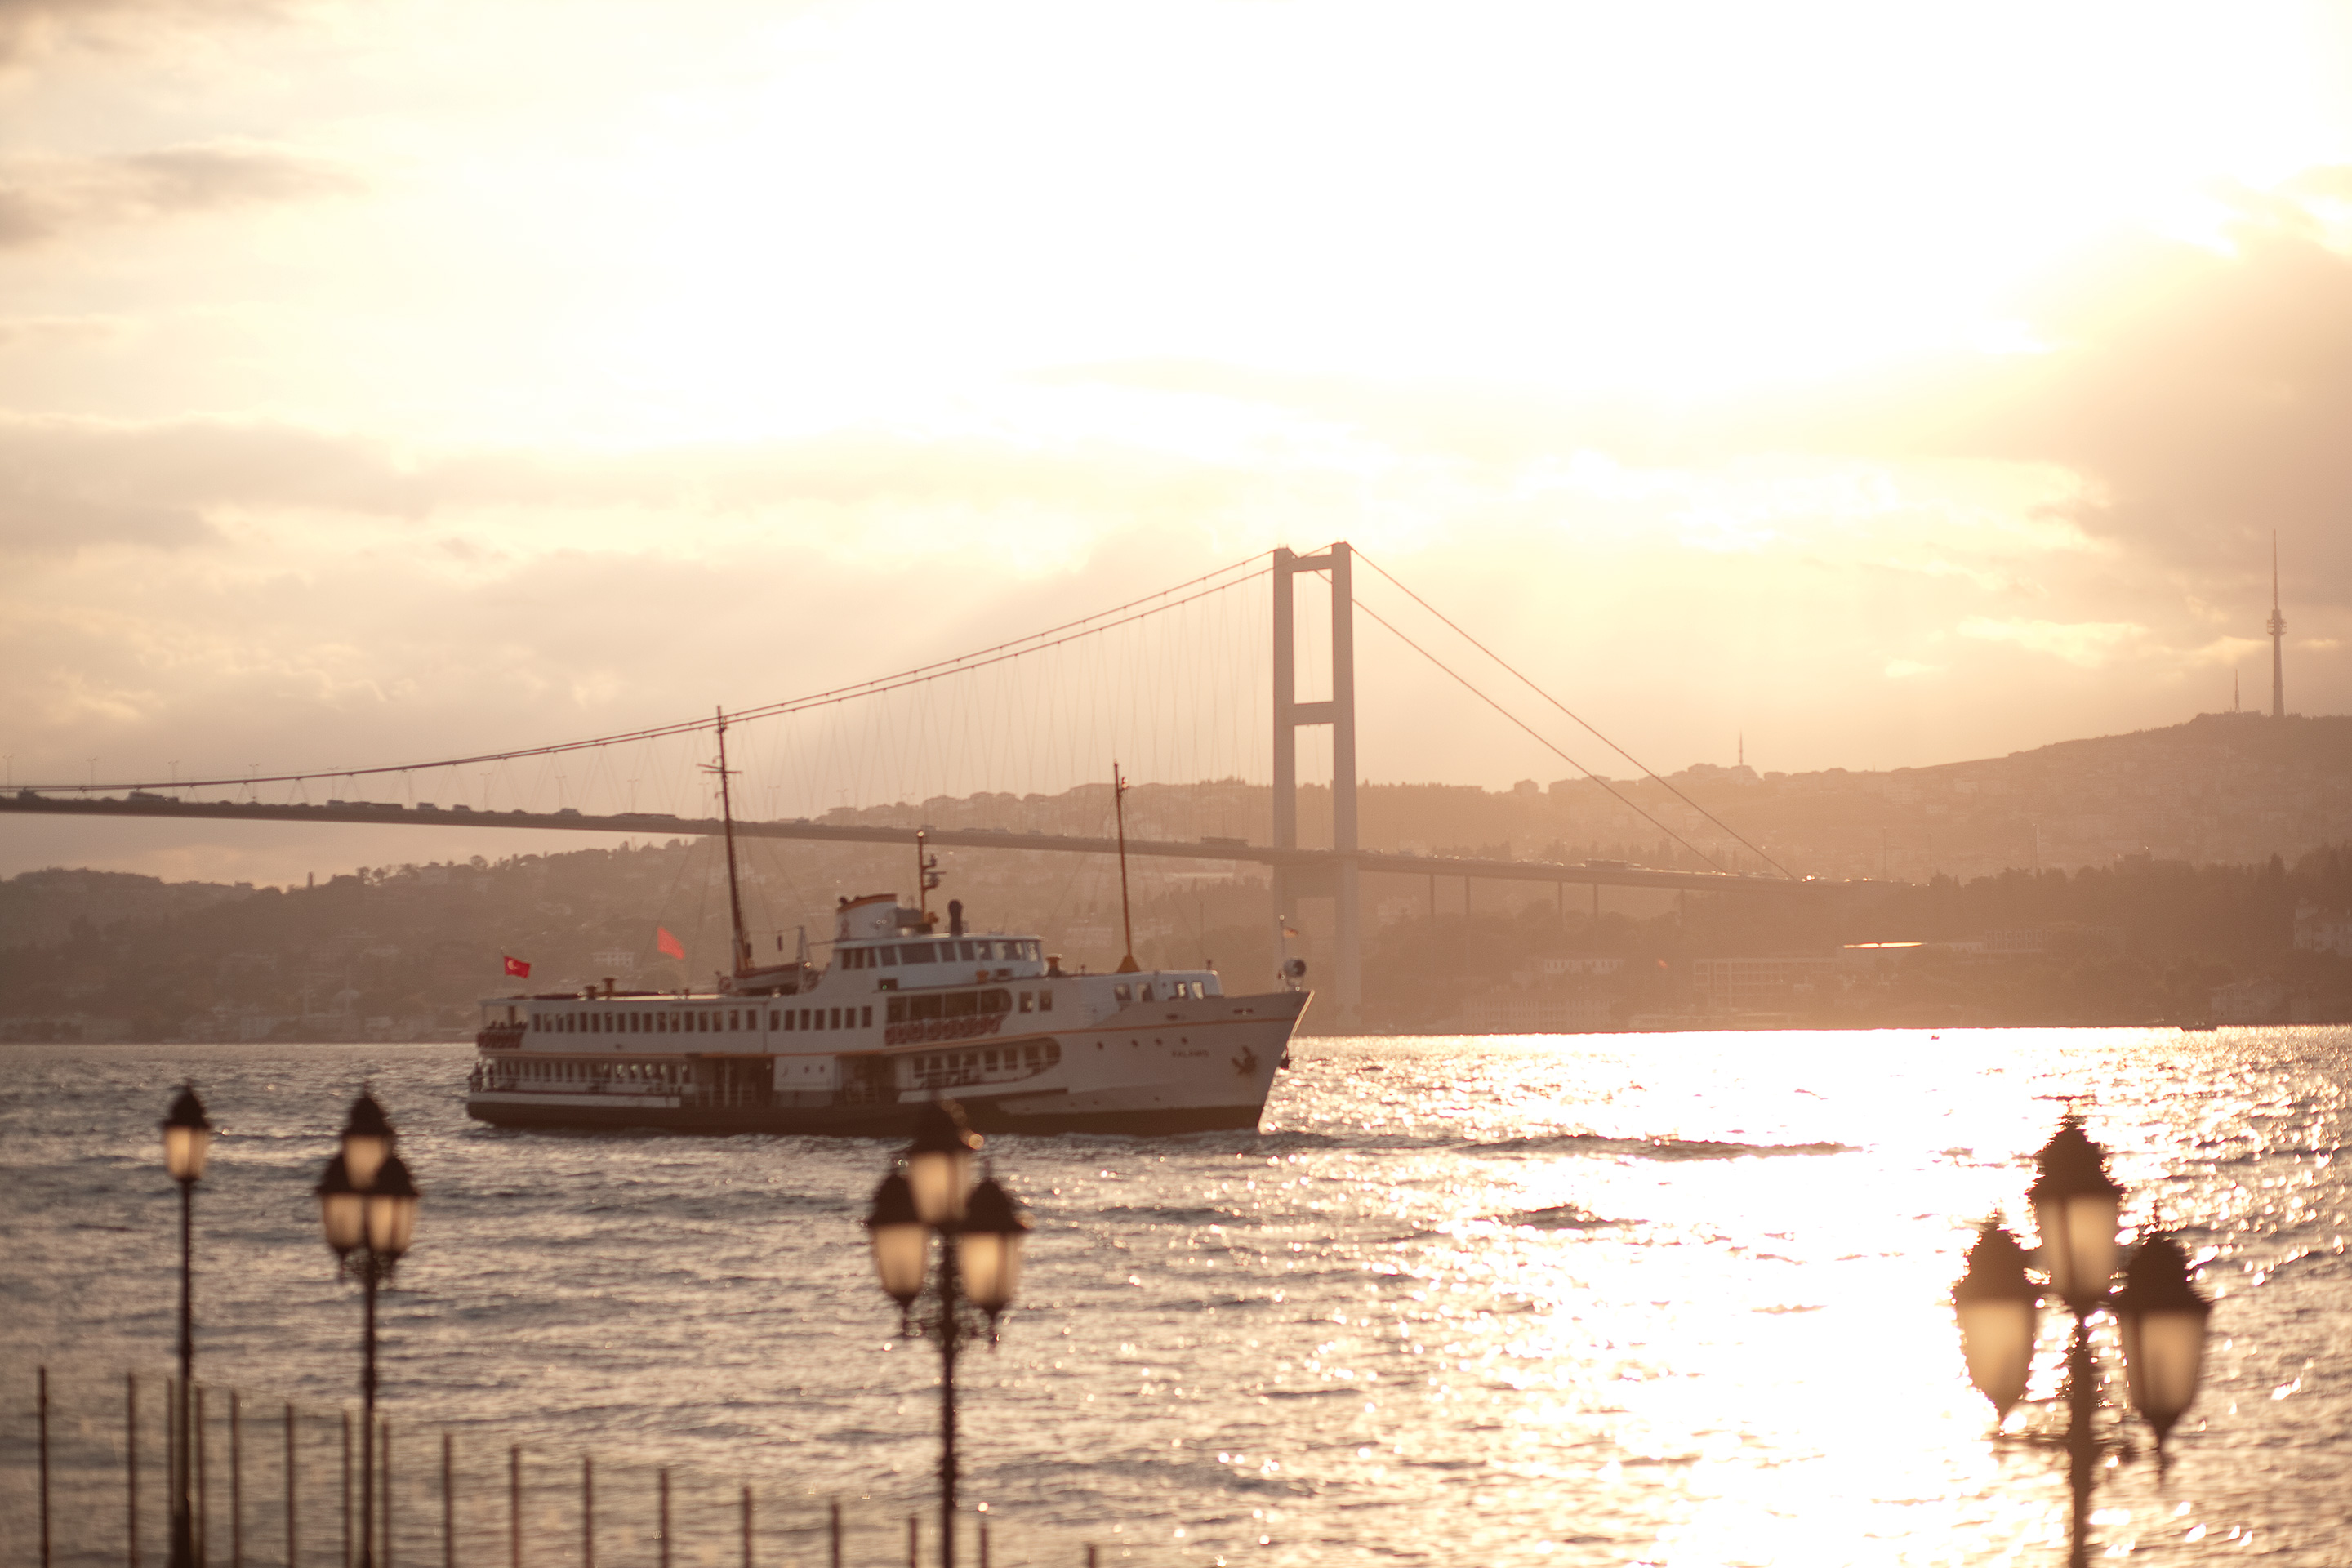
734 888
1127 916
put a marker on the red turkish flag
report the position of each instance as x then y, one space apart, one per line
519 969
665 943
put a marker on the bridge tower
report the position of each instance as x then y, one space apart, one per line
1337 879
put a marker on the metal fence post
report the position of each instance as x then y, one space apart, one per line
747 1527
131 1458
514 1506
236 1481
448 1501
384 1491
984 1541
347 1489
665 1519
587 1512
43 1406
293 1541
833 1531
191 1398
914 1542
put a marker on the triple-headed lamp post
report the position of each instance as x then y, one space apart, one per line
929 1193
367 1206
187 1138
2160 1316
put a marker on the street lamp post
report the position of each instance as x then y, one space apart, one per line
2160 1316
187 1138
929 1193
367 1207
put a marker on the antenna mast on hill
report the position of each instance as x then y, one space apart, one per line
2277 624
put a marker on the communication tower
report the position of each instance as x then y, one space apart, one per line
2277 624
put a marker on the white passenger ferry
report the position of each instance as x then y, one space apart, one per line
900 1017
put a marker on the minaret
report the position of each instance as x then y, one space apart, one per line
2277 624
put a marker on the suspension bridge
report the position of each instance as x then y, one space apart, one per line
987 729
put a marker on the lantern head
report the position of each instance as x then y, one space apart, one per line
1999 1309
343 1209
988 1247
900 1239
187 1135
367 1140
939 1162
392 1210
2077 1207
2160 1318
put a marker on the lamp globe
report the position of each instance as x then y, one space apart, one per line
939 1162
2160 1318
1999 1308
2077 1207
988 1247
187 1136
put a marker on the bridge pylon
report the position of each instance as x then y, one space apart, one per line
1337 876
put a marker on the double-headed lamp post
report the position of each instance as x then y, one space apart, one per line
2160 1316
929 1193
187 1138
367 1206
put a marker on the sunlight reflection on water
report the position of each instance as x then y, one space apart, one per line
1678 1299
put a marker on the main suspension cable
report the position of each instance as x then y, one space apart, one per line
1646 770
1036 642
1538 735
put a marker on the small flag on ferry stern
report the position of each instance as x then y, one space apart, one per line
519 969
665 943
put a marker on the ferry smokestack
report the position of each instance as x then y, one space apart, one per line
955 917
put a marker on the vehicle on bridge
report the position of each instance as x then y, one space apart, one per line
902 1016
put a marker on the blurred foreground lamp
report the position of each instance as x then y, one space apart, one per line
929 1193
2077 1207
187 1137
1999 1308
2160 1319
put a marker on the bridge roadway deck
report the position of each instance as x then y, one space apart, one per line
1309 861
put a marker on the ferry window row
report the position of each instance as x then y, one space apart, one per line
823 1018
1170 990
954 1070
704 1020
942 950
657 1076
956 1004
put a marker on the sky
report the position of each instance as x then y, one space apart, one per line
1866 386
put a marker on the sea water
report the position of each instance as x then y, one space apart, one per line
1548 1300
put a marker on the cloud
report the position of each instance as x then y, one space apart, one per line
34 331
2206 394
32 27
66 484
44 199
2087 644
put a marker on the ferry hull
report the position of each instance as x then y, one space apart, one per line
894 1121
